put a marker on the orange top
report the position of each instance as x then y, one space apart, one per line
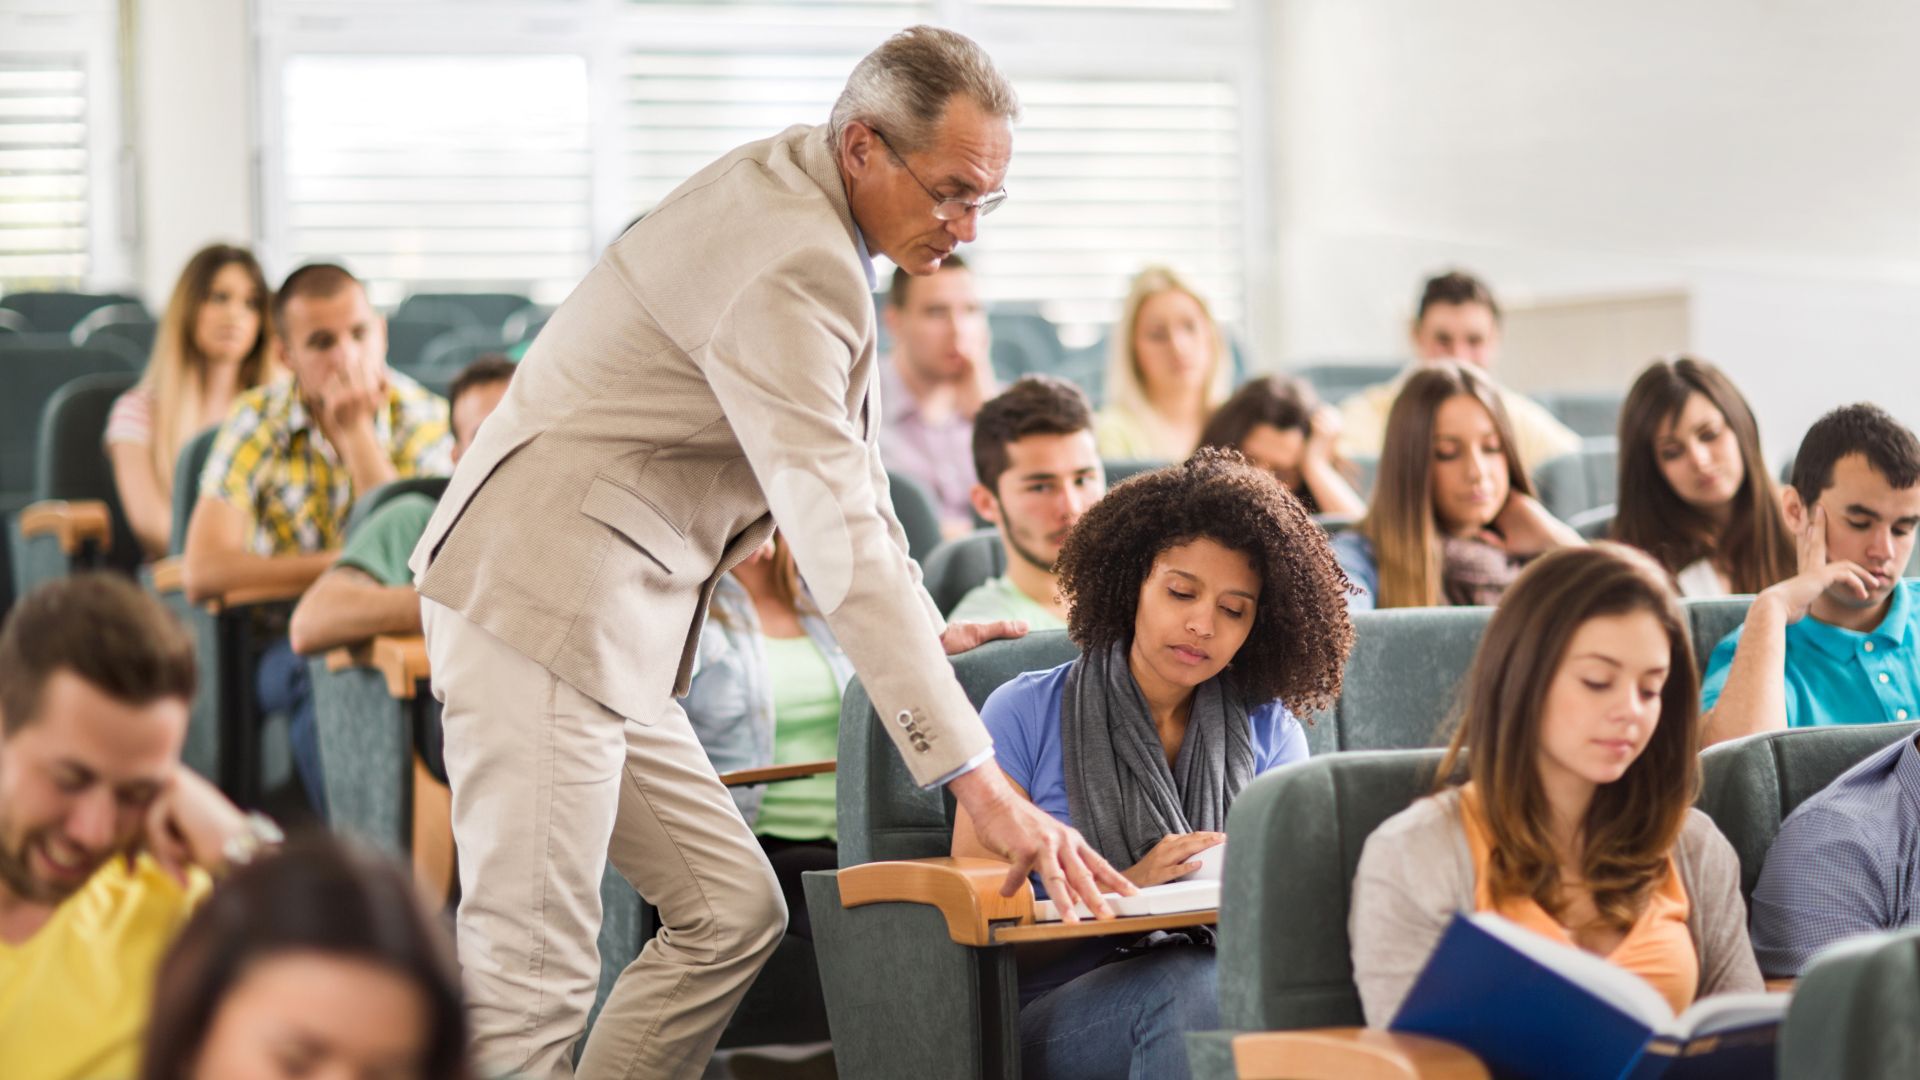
1658 947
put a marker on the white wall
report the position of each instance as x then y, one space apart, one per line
193 118
1763 155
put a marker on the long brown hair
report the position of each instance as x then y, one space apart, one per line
1282 402
177 369
1756 549
1634 822
1401 522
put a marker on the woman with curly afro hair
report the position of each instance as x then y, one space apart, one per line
1210 613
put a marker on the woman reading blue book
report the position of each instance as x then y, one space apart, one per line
1566 797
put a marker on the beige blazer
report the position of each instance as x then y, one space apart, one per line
713 374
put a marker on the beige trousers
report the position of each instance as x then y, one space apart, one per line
548 786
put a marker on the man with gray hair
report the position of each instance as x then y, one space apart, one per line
711 377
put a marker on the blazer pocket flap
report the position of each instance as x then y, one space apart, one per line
635 518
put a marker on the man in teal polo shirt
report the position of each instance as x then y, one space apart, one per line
369 590
1854 505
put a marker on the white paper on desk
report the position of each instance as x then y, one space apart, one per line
1168 899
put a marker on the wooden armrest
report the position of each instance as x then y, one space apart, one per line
350 656
71 523
1781 986
403 660
743 777
253 594
169 575
967 892
1351 1054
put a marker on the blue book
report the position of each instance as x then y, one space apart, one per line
1533 1008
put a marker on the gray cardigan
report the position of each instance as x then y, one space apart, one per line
1416 872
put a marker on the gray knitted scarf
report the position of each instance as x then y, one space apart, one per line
1121 793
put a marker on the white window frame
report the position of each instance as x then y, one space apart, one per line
91 30
1026 42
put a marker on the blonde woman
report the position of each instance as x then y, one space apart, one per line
212 344
1169 369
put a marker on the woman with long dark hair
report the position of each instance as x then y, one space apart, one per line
1694 489
1279 424
319 959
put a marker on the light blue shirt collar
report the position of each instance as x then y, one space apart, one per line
866 259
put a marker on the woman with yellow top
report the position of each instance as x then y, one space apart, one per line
1168 369
1566 799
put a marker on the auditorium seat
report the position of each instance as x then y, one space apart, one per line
1401 680
1024 343
960 564
1335 381
487 311
367 735
914 506
1710 619
1853 1010
1750 785
1594 524
1580 481
57 312
75 521
1590 414
407 339
1294 838
127 329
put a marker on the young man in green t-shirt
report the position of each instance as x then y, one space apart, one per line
1038 470
369 590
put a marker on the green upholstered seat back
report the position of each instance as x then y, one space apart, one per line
1750 785
1582 480
1402 679
367 505
1711 620
883 814
186 485
1294 838
958 565
919 518
1853 1010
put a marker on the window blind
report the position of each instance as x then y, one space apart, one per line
44 186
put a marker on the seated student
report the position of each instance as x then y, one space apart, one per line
931 387
1843 864
369 591
1280 424
1033 451
1694 489
318 960
1208 611
1457 320
766 690
1453 517
1566 797
282 475
213 343
106 843
1853 505
1168 368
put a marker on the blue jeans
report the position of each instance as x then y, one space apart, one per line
281 684
1124 1019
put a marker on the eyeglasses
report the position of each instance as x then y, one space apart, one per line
944 209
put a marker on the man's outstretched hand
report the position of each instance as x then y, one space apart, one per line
962 636
1033 842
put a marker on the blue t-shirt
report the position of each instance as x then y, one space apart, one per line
1023 716
1838 676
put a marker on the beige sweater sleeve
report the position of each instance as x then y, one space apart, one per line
1414 874
1717 915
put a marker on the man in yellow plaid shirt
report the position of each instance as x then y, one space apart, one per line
292 456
